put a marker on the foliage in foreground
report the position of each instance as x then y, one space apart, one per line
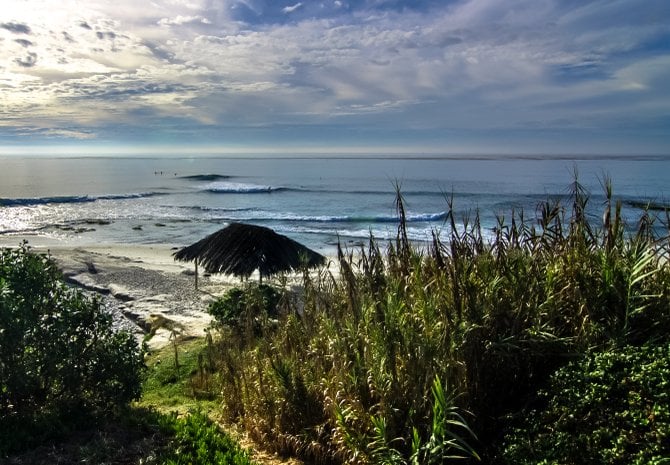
349 375
134 436
198 441
177 378
611 407
145 437
240 308
172 384
61 361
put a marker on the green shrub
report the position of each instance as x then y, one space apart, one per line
609 408
227 310
197 441
239 307
60 358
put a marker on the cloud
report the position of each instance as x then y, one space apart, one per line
28 61
23 42
105 35
17 28
432 65
61 133
180 20
292 8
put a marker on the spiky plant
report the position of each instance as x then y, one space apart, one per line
351 374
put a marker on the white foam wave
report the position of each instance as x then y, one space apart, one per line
239 188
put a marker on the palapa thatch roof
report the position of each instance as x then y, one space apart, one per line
240 249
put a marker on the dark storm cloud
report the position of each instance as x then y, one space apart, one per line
17 28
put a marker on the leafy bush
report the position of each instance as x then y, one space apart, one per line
197 441
609 408
60 358
239 307
227 310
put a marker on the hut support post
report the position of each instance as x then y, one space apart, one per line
196 273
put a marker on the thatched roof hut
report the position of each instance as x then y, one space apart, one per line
240 249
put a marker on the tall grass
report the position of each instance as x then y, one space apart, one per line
420 355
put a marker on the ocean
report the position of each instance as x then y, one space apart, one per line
316 200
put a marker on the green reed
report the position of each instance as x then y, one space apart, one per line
358 365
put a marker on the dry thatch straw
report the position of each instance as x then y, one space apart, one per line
240 249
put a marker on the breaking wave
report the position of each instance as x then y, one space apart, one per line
253 214
240 188
22 202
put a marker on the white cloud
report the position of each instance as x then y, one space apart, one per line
68 134
292 8
179 20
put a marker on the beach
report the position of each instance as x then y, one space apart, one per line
147 292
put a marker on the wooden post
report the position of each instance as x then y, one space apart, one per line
196 273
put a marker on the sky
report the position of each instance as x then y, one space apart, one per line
383 76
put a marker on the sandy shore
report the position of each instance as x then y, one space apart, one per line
142 286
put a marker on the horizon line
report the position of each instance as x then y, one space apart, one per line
79 151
